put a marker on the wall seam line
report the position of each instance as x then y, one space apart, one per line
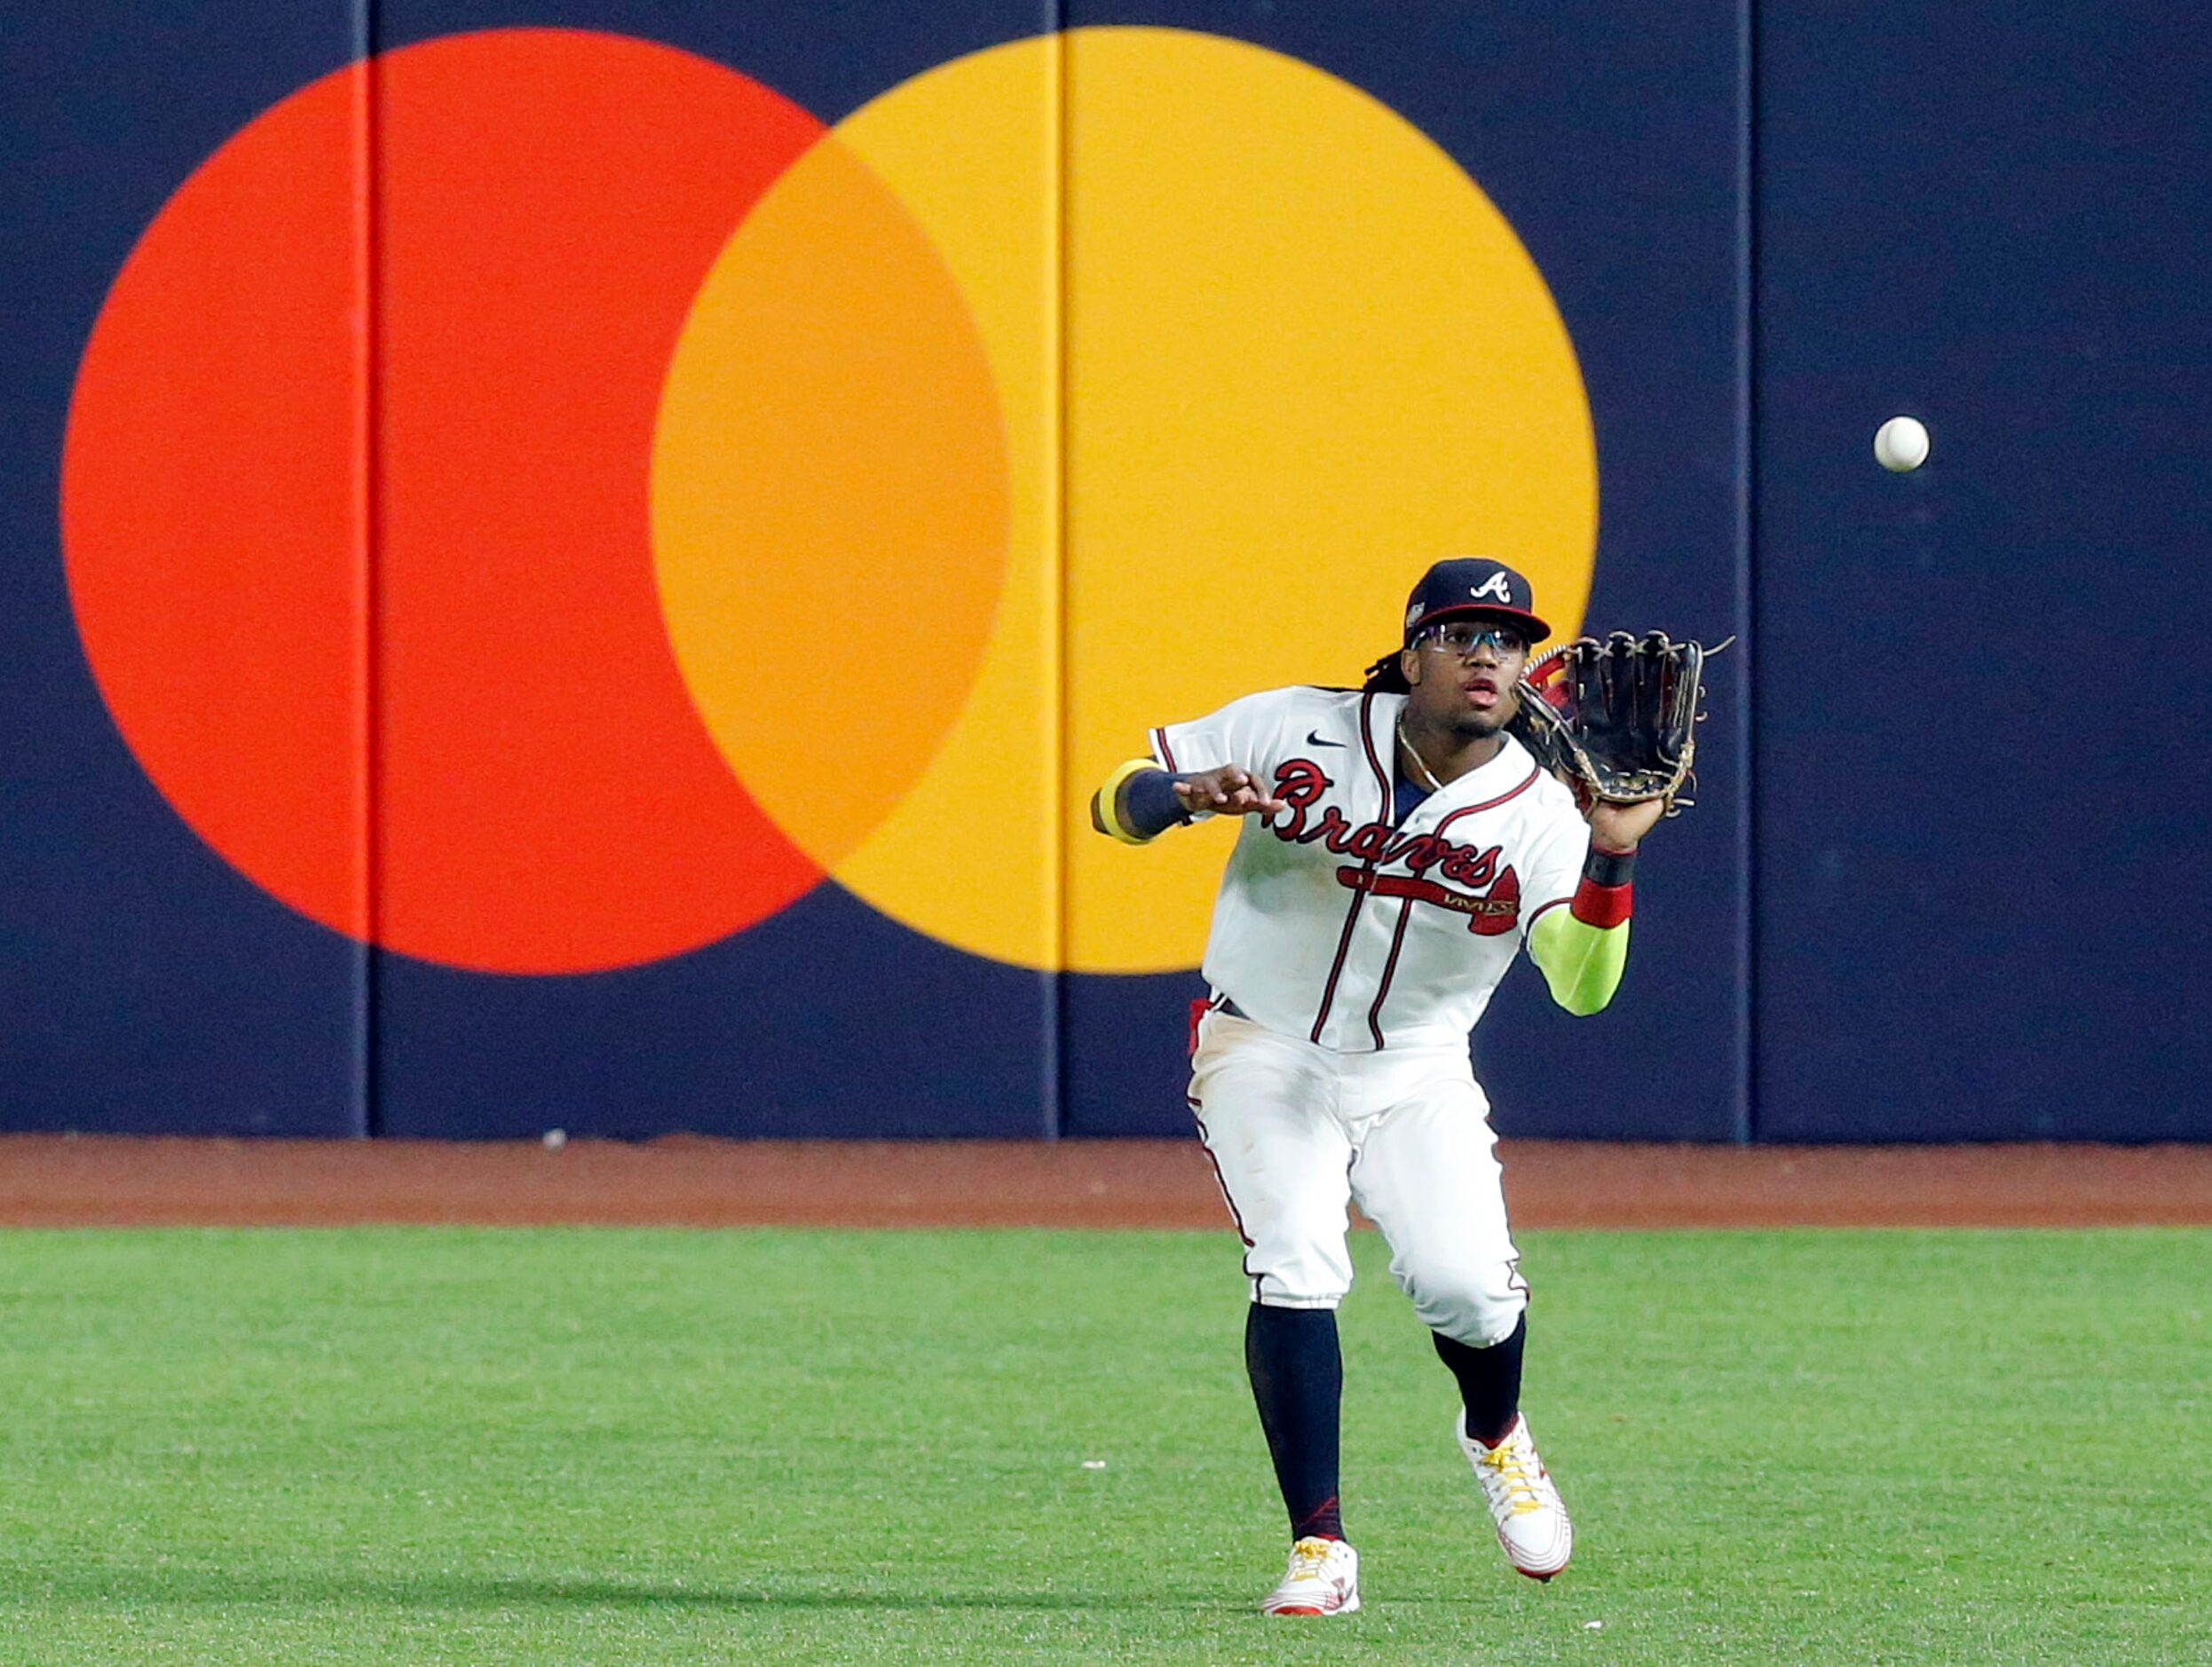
367 246
1056 1037
1746 1110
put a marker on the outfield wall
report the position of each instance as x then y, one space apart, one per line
575 566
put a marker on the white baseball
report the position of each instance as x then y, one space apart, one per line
554 1138
1900 445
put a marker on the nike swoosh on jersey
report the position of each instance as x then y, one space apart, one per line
1313 740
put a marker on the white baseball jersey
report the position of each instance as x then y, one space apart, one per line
1339 926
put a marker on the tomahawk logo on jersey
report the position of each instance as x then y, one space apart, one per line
1429 909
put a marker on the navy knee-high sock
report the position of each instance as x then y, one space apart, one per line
1489 1380
1298 1380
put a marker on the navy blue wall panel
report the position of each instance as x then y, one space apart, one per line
827 1020
145 984
1977 911
1614 154
830 60
889 1035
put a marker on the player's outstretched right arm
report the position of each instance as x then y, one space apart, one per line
1139 801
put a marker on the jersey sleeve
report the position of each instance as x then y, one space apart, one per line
1554 867
1246 732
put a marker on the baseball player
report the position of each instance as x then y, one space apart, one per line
1398 849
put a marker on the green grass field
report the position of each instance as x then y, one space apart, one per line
599 1446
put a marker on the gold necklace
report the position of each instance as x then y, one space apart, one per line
1419 764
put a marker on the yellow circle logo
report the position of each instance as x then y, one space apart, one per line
976 460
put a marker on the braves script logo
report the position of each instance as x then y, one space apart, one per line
1497 582
1300 783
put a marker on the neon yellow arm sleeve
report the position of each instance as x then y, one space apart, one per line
1582 963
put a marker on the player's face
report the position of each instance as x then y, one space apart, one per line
1463 673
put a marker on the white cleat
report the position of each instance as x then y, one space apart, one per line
1323 1578
1532 1524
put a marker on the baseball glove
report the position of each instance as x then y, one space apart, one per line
1615 720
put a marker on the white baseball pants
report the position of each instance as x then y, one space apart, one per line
1298 1132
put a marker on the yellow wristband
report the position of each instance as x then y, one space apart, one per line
1108 815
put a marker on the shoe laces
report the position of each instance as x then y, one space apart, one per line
1309 1557
1512 1470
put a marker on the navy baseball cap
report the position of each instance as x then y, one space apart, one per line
1468 586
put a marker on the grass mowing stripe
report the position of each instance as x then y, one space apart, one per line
595 1445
